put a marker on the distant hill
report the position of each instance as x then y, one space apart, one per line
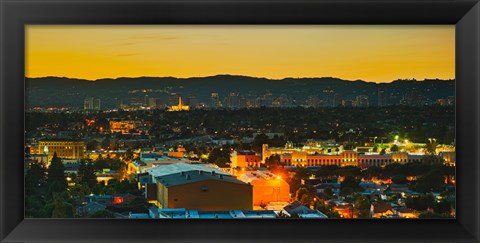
66 92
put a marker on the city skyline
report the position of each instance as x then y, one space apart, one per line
370 53
251 143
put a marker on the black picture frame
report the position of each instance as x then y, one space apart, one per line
465 14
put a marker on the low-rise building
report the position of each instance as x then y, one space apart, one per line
123 126
182 213
175 168
154 159
267 187
65 149
381 210
449 158
407 213
244 159
90 208
313 156
200 190
296 208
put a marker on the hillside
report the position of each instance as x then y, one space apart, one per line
66 92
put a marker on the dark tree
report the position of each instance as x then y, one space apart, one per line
431 182
56 175
350 182
86 174
59 207
35 180
399 179
362 204
394 148
103 214
382 152
260 139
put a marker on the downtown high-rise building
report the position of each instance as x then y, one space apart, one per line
381 98
215 100
91 104
337 100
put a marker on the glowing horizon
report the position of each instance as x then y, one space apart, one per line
369 53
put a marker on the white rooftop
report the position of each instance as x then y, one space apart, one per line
257 175
169 169
316 215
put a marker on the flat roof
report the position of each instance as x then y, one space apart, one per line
211 214
316 215
176 168
186 177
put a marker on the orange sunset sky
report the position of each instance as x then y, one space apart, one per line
370 53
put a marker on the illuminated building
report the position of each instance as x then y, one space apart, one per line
327 97
414 98
182 213
173 99
381 98
319 156
268 98
192 101
407 213
337 100
345 211
381 210
91 104
244 158
231 101
215 100
312 101
289 149
175 168
65 149
362 101
156 103
200 190
137 100
180 106
297 208
451 100
441 102
449 158
176 154
156 160
267 187
123 127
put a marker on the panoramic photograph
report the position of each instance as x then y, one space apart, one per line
240 121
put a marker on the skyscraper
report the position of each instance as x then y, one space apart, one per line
215 100
91 104
337 100
382 98
192 101
136 100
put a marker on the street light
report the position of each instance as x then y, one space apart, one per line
374 139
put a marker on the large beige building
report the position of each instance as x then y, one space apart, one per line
65 149
311 157
201 190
